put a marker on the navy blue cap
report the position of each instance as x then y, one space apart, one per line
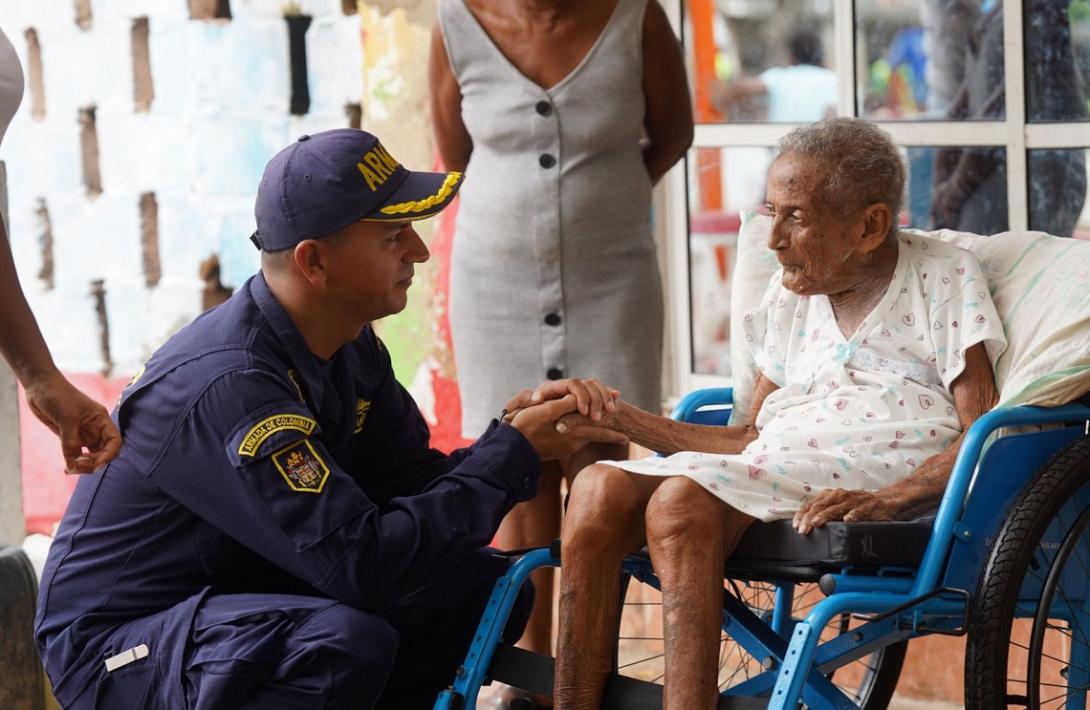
327 181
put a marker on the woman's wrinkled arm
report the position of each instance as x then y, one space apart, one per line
667 436
974 396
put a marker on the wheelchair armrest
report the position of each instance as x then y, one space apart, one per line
957 488
711 405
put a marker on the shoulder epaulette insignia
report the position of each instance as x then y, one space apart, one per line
269 426
295 382
137 376
362 405
302 467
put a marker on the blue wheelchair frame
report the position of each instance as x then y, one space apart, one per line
905 603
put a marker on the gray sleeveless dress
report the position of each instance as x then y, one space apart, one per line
553 271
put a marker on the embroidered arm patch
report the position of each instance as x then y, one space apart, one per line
261 431
302 467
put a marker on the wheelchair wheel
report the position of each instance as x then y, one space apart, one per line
1029 627
869 681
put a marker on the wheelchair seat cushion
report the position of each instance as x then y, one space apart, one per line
836 545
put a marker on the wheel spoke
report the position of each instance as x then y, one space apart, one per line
1060 589
742 665
1042 683
1078 554
1064 696
641 660
1054 658
1059 629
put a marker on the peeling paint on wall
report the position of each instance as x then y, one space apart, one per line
112 267
395 38
220 111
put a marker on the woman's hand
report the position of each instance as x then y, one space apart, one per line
592 398
79 421
851 506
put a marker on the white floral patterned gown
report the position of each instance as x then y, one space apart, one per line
856 412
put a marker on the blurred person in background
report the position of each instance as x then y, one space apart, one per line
970 184
804 91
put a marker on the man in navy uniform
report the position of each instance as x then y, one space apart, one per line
276 532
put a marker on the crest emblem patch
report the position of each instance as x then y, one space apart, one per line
302 467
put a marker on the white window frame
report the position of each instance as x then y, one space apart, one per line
1012 133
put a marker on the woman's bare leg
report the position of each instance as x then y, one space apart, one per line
690 533
604 522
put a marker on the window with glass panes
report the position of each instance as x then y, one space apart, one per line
987 98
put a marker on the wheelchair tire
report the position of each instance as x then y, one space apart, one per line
994 677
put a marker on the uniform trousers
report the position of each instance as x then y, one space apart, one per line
291 651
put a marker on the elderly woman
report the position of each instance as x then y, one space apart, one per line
873 351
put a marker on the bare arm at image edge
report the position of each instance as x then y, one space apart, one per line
78 420
451 137
668 117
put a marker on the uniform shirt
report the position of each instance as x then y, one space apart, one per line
250 465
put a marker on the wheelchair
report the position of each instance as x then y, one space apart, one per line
824 620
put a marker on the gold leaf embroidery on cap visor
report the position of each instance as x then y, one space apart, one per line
269 426
428 202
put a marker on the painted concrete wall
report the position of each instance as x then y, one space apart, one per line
220 111
395 36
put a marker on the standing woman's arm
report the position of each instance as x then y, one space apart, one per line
451 136
668 119
78 420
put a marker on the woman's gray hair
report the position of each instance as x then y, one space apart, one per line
865 167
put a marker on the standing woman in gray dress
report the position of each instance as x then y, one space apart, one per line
562 115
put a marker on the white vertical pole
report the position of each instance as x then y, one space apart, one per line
844 51
672 237
12 525
1014 79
